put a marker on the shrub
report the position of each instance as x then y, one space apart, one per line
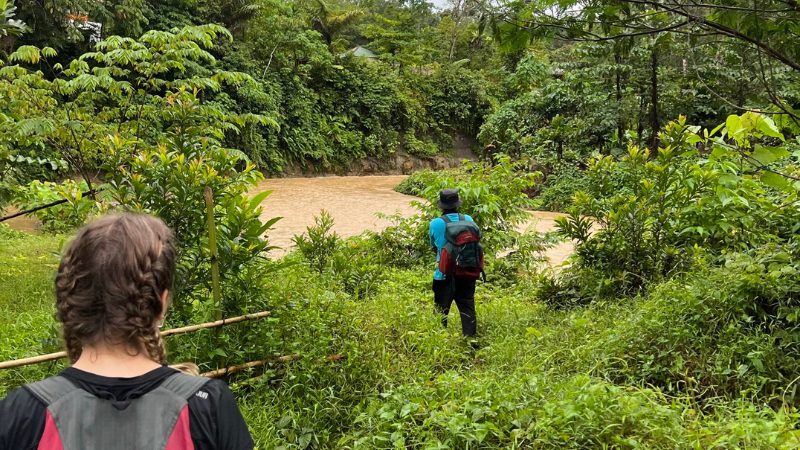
655 214
319 242
357 266
558 190
524 258
59 218
494 195
722 331
187 162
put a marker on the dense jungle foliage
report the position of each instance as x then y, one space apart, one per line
667 131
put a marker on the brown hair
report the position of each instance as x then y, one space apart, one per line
110 281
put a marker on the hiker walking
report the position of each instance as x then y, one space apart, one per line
112 293
459 258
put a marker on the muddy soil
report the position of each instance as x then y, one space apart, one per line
353 203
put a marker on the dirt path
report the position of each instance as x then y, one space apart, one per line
353 203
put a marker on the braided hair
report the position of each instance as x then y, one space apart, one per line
110 282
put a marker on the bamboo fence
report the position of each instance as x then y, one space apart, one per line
182 330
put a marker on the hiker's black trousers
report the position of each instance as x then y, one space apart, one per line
463 292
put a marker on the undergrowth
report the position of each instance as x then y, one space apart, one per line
377 371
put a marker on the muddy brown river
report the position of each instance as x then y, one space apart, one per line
353 203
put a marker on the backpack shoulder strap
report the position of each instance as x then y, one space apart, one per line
50 390
446 219
461 217
184 386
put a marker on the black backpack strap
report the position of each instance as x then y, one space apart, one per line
50 390
461 217
184 386
446 219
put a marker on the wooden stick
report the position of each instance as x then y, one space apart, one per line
281 359
187 329
32 360
216 323
240 367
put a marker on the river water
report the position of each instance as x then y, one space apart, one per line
353 203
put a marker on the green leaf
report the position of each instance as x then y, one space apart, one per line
258 198
733 125
716 130
766 126
49 52
26 53
776 181
768 155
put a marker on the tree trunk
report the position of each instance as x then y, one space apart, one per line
655 121
456 22
618 82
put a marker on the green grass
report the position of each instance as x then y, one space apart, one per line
541 379
27 302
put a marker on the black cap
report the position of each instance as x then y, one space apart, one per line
448 199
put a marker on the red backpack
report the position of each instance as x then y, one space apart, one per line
462 254
77 420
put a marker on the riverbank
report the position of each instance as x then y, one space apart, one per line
354 203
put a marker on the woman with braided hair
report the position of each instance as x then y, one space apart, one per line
112 293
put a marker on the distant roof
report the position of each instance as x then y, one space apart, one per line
361 52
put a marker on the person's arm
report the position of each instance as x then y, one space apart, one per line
432 236
216 422
22 418
232 431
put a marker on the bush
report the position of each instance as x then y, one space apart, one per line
523 259
357 266
656 216
494 195
319 242
720 332
186 165
59 218
496 198
558 190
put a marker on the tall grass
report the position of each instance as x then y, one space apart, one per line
542 378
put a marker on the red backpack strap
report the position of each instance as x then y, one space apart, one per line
50 391
185 386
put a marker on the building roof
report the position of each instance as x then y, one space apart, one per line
361 52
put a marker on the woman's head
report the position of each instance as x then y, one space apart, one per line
112 284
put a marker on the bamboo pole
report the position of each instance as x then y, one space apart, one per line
182 330
240 367
32 360
336 357
212 248
216 323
